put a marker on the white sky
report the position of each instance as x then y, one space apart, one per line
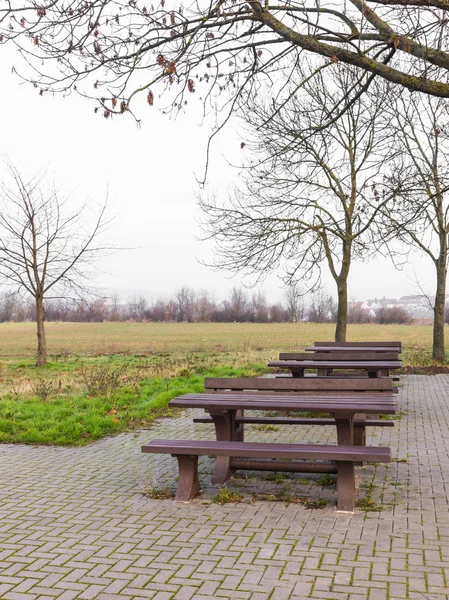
150 175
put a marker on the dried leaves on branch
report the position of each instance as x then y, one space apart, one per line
113 49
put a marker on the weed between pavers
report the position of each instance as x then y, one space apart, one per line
276 477
368 504
226 496
283 496
158 493
327 481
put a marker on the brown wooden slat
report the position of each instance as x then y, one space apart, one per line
351 398
335 405
306 384
348 344
272 450
336 364
299 421
377 350
326 356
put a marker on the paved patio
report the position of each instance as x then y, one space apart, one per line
75 524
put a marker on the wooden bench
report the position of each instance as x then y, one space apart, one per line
309 386
188 451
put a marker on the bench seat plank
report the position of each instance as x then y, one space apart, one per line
300 421
272 450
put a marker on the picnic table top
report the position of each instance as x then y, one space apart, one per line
336 364
352 403
352 349
337 355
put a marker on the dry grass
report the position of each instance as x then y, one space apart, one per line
18 340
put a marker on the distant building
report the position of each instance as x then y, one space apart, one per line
418 306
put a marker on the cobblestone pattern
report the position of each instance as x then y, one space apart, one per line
75 524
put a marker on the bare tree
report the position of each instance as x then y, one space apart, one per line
185 299
136 307
308 199
294 303
321 308
419 214
112 50
43 252
259 307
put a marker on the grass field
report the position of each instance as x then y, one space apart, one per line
104 378
18 340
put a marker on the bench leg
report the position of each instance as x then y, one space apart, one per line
345 486
224 421
188 483
222 471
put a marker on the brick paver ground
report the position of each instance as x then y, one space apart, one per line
75 524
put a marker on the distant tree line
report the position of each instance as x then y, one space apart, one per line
189 305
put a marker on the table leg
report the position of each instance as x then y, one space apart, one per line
345 430
298 373
374 374
239 428
224 421
360 432
345 486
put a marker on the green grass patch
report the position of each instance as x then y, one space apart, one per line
75 417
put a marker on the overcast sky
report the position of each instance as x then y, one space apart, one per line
150 172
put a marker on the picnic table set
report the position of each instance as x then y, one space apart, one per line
352 400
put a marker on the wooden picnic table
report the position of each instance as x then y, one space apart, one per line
223 409
374 368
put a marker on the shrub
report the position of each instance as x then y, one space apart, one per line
392 315
104 380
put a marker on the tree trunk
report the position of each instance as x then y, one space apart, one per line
438 352
41 340
342 311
